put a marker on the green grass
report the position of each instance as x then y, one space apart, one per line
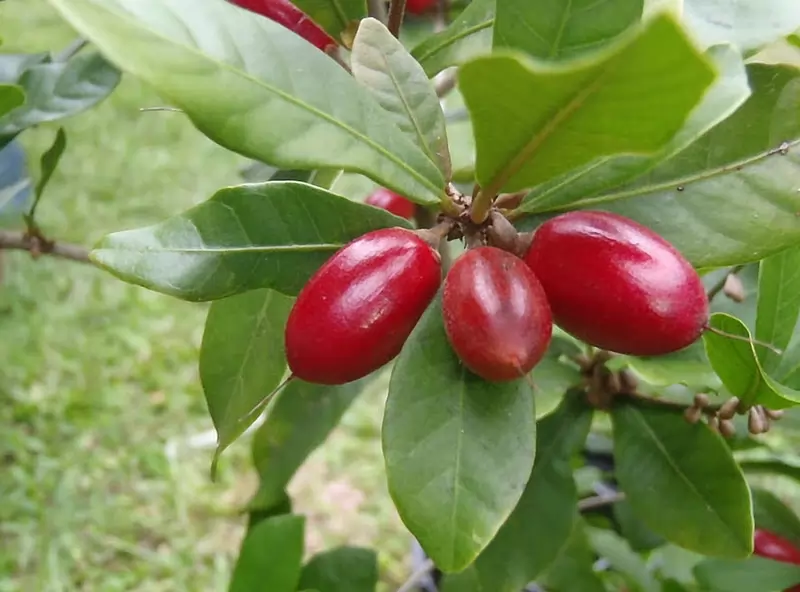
96 376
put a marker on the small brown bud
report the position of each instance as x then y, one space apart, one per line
612 383
692 414
726 428
774 414
755 421
733 288
701 400
728 409
510 201
524 240
713 422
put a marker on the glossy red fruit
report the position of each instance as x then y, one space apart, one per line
773 546
354 315
419 6
391 202
495 314
617 285
287 14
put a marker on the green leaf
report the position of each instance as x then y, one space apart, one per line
255 87
274 235
623 559
785 465
749 25
458 449
463 581
297 422
755 574
11 97
681 480
345 569
615 103
689 366
553 29
639 537
572 569
49 162
468 36
736 363
778 304
242 359
772 514
271 556
335 16
553 378
382 64
541 524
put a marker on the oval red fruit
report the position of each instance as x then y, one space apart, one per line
419 6
772 546
495 314
287 14
354 315
391 202
617 285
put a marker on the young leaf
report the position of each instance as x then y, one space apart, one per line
382 64
344 569
49 162
541 524
335 16
756 574
242 358
458 449
778 304
681 480
553 29
15 183
468 36
11 97
274 235
528 133
256 88
572 569
297 422
271 556
616 550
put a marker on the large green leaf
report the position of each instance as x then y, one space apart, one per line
616 550
458 449
572 569
534 121
778 303
256 88
242 358
755 574
11 97
273 235
344 569
297 422
382 64
554 29
469 35
689 366
541 524
271 556
335 16
681 480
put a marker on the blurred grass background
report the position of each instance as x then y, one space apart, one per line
97 376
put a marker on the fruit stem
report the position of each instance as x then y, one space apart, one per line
717 288
397 10
749 340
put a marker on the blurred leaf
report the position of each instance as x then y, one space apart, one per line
638 535
283 505
398 83
242 359
458 449
235 75
274 235
553 29
344 569
49 162
15 183
12 65
772 465
772 514
469 35
682 481
572 570
616 550
11 97
755 574
271 556
615 103
689 366
778 304
335 16
541 524
676 563
553 378
463 581
297 422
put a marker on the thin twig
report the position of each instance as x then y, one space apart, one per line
445 82
377 10
71 50
416 577
397 10
599 501
21 241
717 288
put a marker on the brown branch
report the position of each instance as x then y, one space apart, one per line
444 83
599 501
35 245
397 10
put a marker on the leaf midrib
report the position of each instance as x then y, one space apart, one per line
455 38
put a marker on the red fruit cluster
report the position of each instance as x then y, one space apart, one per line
772 546
287 14
419 6
391 202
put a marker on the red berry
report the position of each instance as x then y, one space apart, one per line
287 14
617 285
354 315
419 6
496 314
391 202
772 546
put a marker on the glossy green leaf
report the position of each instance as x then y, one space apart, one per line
297 422
335 16
401 87
344 569
458 449
242 358
553 29
772 514
778 304
11 97
616 550
541 524
547 120
256 88
681 480
689 366
49 162
755 574
271 556
572 569
468 36
274 235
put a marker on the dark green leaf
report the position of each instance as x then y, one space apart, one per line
616 550
572 570
772 514
282 506
271 556
256 88
297 422
469 35
242 359
463 581
755 574
50 161
382 64
553 29
11 97
634 530
335 16
553 378
274 235
458 449
541 524
681 480
345 569
778 304
527 133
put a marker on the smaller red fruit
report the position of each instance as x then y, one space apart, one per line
287 14
391 202
419 6
773 546
496 314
